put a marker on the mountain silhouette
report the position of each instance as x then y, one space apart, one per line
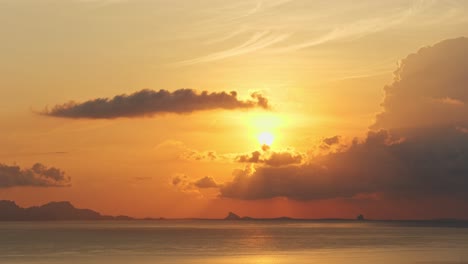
53 211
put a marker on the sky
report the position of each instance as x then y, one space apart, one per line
177 108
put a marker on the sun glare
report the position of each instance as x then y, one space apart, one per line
266 138
264 126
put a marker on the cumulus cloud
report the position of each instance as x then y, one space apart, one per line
429 88
150 102
379 164
418 147
272 158
38 175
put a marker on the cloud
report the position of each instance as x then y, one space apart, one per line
360 27
331 140
150 102
38 175
172 150
257 41
187 185
272 158
434 165
429 88
176 180
418 147
205 182
254 157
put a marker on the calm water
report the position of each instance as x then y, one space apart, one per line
230 242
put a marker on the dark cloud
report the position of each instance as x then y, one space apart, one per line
150 102
418 148
433 165
38 175
331 140
205 182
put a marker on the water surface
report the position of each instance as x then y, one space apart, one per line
213 241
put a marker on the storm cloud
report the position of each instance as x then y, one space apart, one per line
418 145
150 102
38 175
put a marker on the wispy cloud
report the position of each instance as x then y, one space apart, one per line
231 35
258 41
275 36
360 28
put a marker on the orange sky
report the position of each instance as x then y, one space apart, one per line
309 78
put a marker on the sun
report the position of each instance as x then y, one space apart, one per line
266 138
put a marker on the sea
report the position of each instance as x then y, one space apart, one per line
226 242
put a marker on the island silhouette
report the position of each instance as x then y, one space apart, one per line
65 211
53 211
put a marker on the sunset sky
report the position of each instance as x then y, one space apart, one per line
265 108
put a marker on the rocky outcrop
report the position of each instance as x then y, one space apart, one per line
232 216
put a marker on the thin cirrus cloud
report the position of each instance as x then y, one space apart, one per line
150 102
270 36
36 176
359 28
257 41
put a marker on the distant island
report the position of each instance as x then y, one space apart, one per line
65 211
232 216
54 211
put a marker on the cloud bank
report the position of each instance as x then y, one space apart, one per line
434 165
418 145
150 102
38 175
